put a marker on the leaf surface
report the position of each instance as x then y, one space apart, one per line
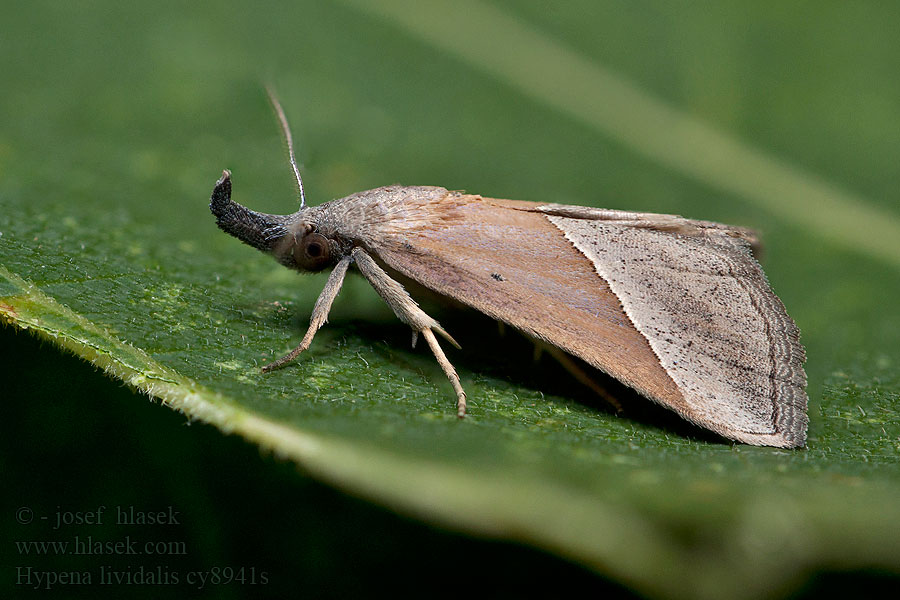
115 132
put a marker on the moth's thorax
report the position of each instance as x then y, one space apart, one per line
365 218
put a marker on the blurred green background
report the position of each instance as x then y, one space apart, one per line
117 118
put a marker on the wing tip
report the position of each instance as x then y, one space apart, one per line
790 430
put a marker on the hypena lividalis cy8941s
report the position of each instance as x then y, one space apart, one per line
677 309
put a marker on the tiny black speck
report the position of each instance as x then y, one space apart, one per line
497 276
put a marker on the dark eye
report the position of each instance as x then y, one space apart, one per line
313 252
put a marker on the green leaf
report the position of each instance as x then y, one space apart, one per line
119 119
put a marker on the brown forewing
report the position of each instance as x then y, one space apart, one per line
516 267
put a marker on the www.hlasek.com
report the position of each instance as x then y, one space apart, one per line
87 545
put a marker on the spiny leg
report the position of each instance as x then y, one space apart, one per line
319 314
449 371
409 312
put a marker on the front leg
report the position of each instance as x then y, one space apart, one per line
409 312
319 314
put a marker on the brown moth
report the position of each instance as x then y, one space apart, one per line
677 309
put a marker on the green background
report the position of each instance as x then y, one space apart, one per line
117 118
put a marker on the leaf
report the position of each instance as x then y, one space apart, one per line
118 129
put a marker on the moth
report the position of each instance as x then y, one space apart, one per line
675 308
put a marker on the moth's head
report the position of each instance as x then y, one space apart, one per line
291 239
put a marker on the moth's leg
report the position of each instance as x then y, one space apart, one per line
319 314
409 312
448 370
580 374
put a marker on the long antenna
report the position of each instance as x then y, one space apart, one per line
286 132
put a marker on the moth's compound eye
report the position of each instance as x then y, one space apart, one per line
313 252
